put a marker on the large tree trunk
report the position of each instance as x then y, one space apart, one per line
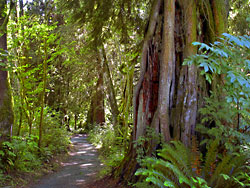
6 112
168 94
96 113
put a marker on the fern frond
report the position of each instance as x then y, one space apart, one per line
178 173
156 177
210 159
220 169
155 181
178 155
238 163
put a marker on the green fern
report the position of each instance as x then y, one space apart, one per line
210 161
173 168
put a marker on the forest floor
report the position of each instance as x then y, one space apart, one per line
79 170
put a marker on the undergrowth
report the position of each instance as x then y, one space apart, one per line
110 146
21 154
178 166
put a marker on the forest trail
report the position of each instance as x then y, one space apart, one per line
80 168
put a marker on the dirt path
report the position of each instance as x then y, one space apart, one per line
80 168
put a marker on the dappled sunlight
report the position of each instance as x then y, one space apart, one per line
79 182
87 164
90 154
63 176
91 174
69 164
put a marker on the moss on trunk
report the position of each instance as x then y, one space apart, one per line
6 112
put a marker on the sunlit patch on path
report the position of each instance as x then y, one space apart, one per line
81 167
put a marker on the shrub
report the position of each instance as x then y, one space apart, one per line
20 154
110 146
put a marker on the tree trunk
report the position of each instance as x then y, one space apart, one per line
6 112
43 93
20 121
168 95
111 90
76 118
96 113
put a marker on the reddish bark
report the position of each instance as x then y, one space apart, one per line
166 97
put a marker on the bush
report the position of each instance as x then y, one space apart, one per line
56 138
20 154
110 146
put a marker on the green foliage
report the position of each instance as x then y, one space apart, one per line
239 17
225 65
56 138
142 144
110 146
177 166
143 185
230 139
20 154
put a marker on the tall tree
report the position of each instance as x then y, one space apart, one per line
96 114
169 94
6 113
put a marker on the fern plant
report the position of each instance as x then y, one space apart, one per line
177 166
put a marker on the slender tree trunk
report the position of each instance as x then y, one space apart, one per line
111 90
6 112
43 92
21 9
44 88
20 121
76 118
168 95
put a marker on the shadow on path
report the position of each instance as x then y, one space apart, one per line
80 168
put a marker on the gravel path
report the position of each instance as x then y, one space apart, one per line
80 168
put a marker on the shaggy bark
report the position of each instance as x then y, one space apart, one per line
168 94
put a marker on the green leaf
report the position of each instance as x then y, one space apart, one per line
169 184
155 181
242 81
209 78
